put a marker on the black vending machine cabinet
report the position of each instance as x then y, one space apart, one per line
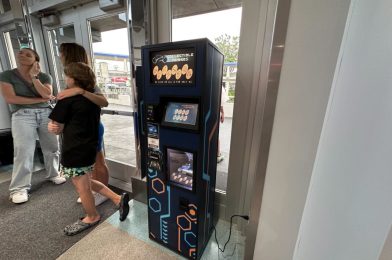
179 90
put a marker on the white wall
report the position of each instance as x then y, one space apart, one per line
313 41
348 212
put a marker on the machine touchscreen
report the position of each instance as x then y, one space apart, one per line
181 115
180 168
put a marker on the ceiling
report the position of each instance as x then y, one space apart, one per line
108 23
182 8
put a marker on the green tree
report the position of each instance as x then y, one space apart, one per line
228 45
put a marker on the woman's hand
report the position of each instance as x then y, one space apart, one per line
35 70
70 92
54 127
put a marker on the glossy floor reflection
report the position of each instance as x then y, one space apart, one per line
129 240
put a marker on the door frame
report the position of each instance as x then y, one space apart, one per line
67 17
80 17
4 55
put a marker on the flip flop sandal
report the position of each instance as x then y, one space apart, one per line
78 227
124 206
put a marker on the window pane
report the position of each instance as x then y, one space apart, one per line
56 37
12 45
112 68
222 28
119 138
5 6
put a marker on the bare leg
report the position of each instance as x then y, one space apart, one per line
121 201
101 171
220 157
83 187
105 191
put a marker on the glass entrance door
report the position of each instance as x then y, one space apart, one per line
56 37
105 38
110 56
223 30
5 119
67 31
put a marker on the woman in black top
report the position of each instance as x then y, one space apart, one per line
73 52
78 119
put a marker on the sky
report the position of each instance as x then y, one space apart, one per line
210 25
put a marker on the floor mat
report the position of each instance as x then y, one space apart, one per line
34 230
108 242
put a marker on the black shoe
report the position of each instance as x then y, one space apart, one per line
124 206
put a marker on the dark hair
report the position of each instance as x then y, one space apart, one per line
82 74
73 52
37 58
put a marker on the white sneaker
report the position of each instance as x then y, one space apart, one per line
58 180
98 198
20 197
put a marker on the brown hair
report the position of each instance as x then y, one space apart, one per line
37 58
82 74
73 52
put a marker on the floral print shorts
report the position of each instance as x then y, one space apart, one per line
75 172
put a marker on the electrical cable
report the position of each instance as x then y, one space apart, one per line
231 224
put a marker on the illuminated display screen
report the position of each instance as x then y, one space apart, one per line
180 168
181 113
173 67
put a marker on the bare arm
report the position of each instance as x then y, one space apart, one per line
222 114
45 90
11 98
97 99
55 127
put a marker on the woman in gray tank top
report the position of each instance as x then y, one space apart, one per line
27 91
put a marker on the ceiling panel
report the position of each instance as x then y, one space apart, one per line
182 8
108 23
225 4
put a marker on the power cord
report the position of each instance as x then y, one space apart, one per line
231 224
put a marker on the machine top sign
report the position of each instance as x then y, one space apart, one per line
173 67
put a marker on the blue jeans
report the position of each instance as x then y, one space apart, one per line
27 125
